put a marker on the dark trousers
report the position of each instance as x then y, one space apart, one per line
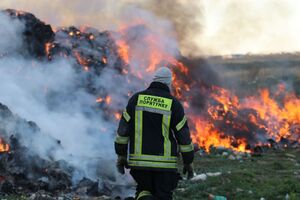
159 183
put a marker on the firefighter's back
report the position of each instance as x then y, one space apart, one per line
152 144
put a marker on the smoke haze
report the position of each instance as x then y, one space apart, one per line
50 95
57 97
202 27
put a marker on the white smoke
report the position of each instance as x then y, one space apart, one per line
213 26
48 94
10 31
26 89
52 95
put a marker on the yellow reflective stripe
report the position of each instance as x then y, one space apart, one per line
122 140
143 193
152 164
153 158
138 132
181 124
126 115
186 148
165 132
154 102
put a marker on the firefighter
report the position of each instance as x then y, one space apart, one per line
155 128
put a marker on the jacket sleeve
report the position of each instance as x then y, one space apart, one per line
181 131
124 129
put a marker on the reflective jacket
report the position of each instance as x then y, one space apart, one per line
155 127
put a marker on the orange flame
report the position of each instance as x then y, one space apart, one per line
206 136
156 54
99 100
104 60
82 61
277 120
108 99
91 37
3 146
48 47
123 50
117 116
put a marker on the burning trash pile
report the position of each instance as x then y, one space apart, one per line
21 168
74 82
62 73
245 123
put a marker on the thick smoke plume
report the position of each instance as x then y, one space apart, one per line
203 27
109 15
63 100
50 95
184 15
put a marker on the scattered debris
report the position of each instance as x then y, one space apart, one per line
213 174
204 176
199 177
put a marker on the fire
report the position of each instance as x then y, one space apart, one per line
104 60
117 116
227 120
48 47
154 50
82 61
99 100
78 33
266 116
3 146
86 68
181 67
91 37
207 136
278 119
123 51
108 100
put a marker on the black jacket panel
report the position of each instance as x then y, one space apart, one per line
152 134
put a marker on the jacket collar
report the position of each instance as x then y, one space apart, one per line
159 86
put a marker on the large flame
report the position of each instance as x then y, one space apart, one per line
225 121
277 119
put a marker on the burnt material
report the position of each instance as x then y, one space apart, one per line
22 168
36 33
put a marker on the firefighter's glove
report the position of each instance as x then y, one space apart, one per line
122 164
188 168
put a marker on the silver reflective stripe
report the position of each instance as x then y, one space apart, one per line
153 164
138 132
153 158
165 131
153 110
